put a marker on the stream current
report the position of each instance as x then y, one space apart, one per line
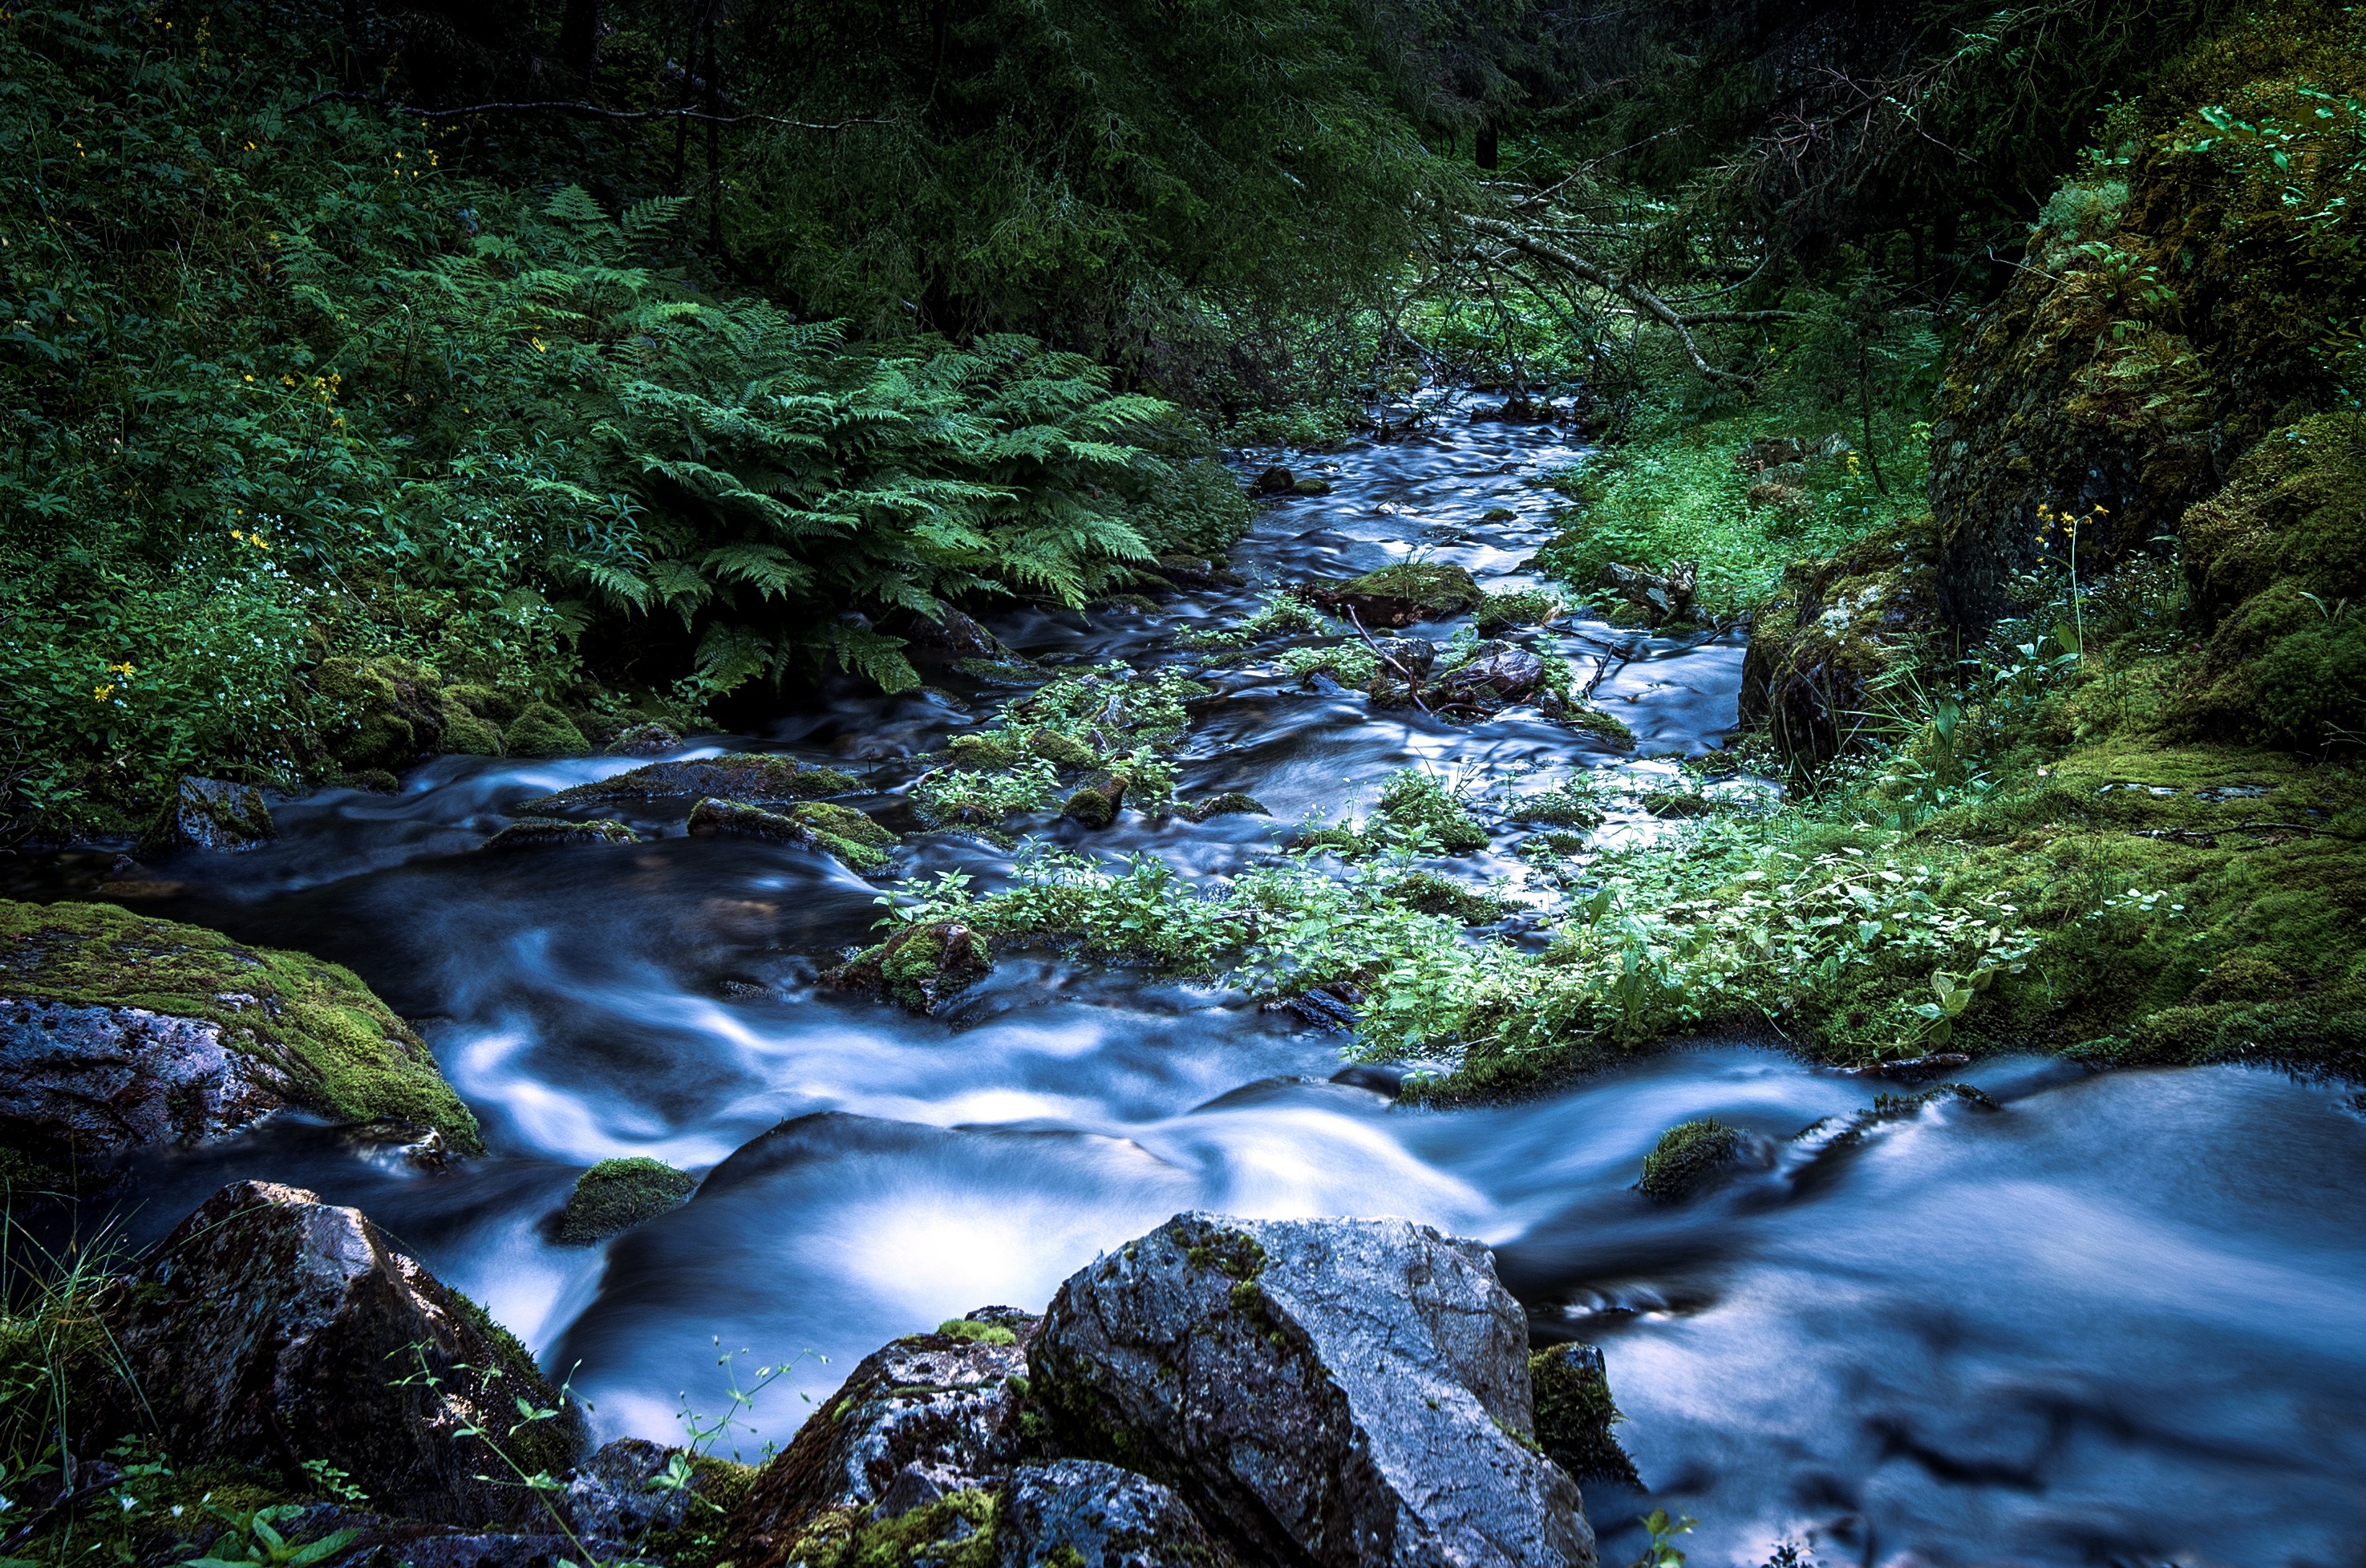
2121 1320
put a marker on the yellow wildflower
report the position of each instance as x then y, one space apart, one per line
100 694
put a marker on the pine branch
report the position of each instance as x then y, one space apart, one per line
560 106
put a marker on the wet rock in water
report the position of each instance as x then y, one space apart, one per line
527 832
840 830
268 1315
644 740
1077 1513
1658 597
1310 486
1096 804
1231 803
1834 627
1686 1156
1575 1413
542 731
1325 1391
618 1194
1401 656
118 1031
1499 515
1399 595
949 636
212 813
920 967
1197 571
1505 673
924 1418
750 780
1272 481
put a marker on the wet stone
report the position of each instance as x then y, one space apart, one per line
534 832
1083 1514
212 813
749 780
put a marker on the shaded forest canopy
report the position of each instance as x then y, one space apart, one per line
615 358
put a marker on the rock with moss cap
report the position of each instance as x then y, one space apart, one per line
1097 803
1331 1392
753 780
1832 629
921 967
649 738
924 1418
543 730
269 1314
387 712
536 832
1231 803
212 813
118 1031
618 1194
1399 595
1575 1413
840 830
1686 1156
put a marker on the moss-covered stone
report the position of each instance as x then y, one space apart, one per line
1435 895
496 708
1094 806
618 1194
538 832
752 780
330 1046
1686 1155
1229 804
1834 628
382 712
955 1531
542 731
1399 595
1575 1413
920 967
212 813
840 830
467 734
1529 608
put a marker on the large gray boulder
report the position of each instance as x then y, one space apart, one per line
271 1328
920 1419
1332 1392
1080 1513
86 1081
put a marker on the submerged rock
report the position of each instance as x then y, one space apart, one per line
1325 1391
269 1315
840 830
749 780
212 813
1399 595
1686 1155
118 1031
923 1419
527 832
618 1194
920 967
1077 1513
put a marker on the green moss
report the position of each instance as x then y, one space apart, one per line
1838 626
1527 608
535 831
1090 807
1687 1155
388 711
1399 595
956 1531
1575 1413
981 1333
341 1051
921 966
1235 1254
842 832
991 751
763 779
495 707
1598 724
467 734
618 1194
716 1488
1233 803
542 731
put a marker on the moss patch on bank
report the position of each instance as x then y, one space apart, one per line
341 1052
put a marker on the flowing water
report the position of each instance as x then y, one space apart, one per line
2121 1319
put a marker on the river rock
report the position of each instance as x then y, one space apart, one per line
118 1031
609 1500
918 1419
837 829
1658 596
649 739
1077 1513
1399 595
534 832
213 814
1507 674
920 966
78 1082
1274 480
749 780
1319 1391
270 1327
1416 656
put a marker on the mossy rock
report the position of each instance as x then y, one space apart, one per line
955 1531
212 813
1575 1413
1096 804
1062 751
1399 595
618 1194
751 780
837 829
497 708
466 735
1231 803
1603 726
989 753
534 832
1833 628
326 1044
388 713
542 731
920 967
1527 608
1686 1155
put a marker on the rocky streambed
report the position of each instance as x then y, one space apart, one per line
2076 1318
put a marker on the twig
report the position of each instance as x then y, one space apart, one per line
70 1501
1413 682
562 106
1634 293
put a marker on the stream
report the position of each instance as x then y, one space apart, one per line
2121 1319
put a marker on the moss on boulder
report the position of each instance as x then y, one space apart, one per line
384 713
1575 1413
538 831
840 830
1399 595
1686 1155
753 780
618 1194
542 731
920 967
1834 627
310 1033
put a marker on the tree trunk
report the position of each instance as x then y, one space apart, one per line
1488 150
